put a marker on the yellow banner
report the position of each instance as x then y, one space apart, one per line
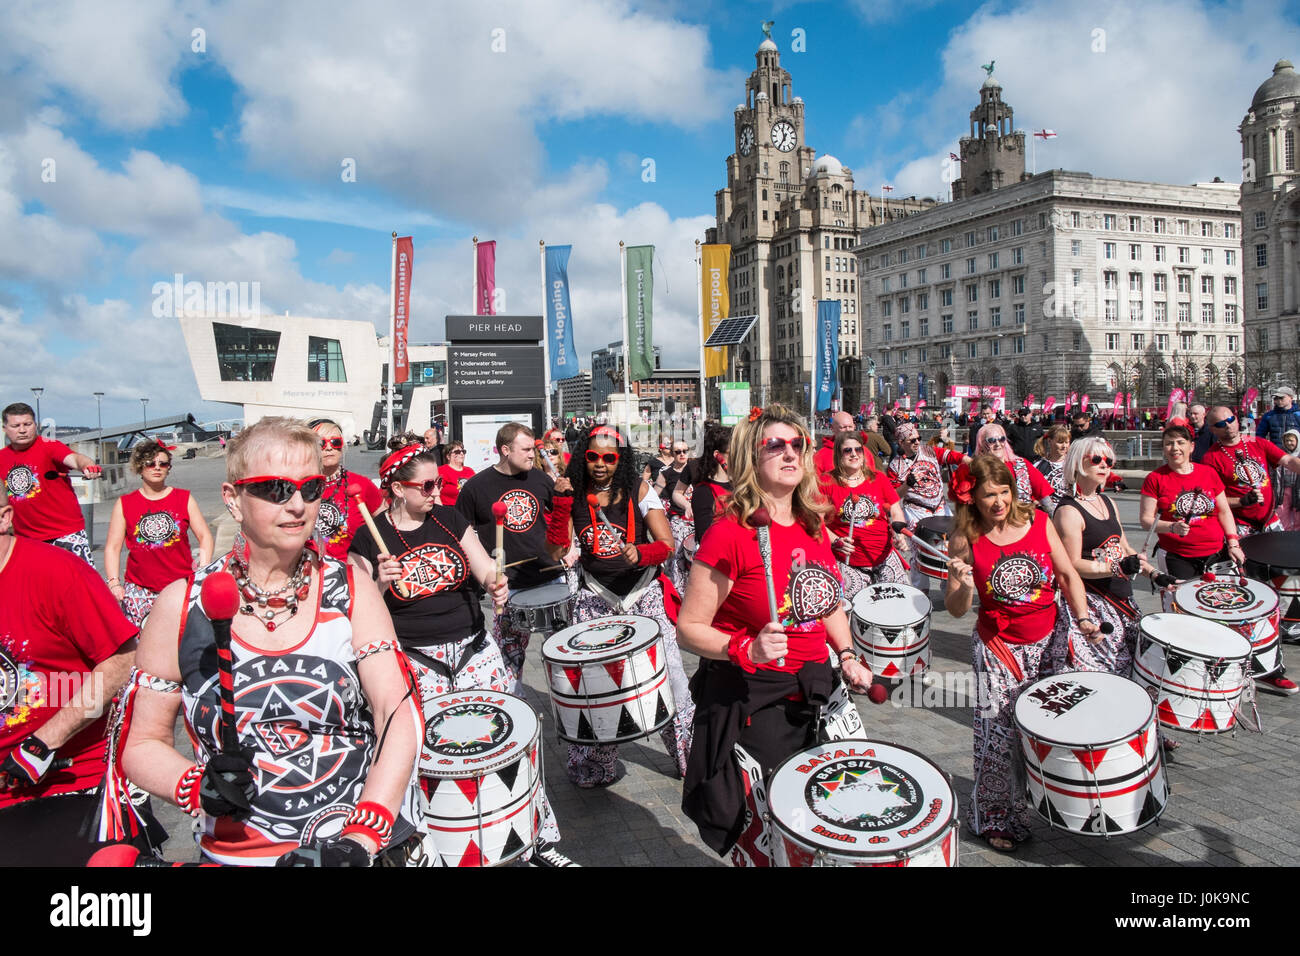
717 304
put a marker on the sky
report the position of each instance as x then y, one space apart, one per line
143 139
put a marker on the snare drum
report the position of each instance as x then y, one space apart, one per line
541 609
891 629
934 532
608 680
861 803
1092 753
480 760
1248 607
1195 669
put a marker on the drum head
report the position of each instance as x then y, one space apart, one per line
891 605
468 733
841 795
1195 637
541 596
939 525
1277 549
1226 599
1083 708
604 639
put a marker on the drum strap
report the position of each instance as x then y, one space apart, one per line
1125 607
619 604
441 667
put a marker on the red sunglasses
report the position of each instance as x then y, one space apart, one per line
335 443
609 457
427 488
777 445
279 490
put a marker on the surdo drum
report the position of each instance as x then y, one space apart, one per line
608 680
540 609
891 629
1274 558
1195 669
934 532
1092 753
861 803
480 760
1248 607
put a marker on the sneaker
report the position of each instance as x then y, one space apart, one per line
1277 684
548 855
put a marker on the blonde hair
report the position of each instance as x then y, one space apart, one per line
1051 435
264 433
988 470
747 495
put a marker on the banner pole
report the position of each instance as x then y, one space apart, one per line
546 339
392 338
622 255
699 282
473 309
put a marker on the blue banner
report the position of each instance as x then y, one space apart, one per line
559 324
826 359
920 387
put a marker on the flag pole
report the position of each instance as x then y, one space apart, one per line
546 335
627 387
473 310
699 282
392 337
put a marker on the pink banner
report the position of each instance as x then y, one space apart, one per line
1083 404
1029 400
1248 401
871 408
1049 404
404 254
920 404
1191 395
1070 401
486 270
1119 403
1175 395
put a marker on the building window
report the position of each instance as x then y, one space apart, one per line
1184 255
945 245
1019 311
945 271
946 326
1112 341
1135 252
995 318
1110 281
1076 277
1261 339
325 360
1160 282
1261 296
993 260
1229 285
1160 312
244 354
1135 282
1207 285
970 266
1134 223
1162 342
1158 226
1261 254
1018 345
1207 313
1108 222
970 350
920 277
922 301
1207 228
1184 312
1229 315
906 329
1017 285
972 321
972 293
991 233
1260 220
1108 250
1207 257
1184 227
1186 341
1161 255
1229 230
945 297
995 289
1185 284
1017 226
924 328
1018 256
1135 311
995 347
1076 220
1076 247
1139 341
1232 343
945 351
905 305
970 238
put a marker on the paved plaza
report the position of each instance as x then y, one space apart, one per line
1235 799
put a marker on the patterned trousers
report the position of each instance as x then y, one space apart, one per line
138 602
590 766
78 544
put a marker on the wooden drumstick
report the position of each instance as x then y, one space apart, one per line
594 502
928 548
354 492
762 521
853 518
499 509
550 465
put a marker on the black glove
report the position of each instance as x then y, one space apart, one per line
227 787
26 764
911 480
1131 565
1249 498
1120 486
323 853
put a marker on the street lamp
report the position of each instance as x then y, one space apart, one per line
38 392
144 411
99 422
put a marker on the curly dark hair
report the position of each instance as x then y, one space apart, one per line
627 474
144 452
717 438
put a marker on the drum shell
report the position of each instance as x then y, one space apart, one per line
1190 696
892 651
789 850
928 563
545 608
1263 631
687 554
1286 582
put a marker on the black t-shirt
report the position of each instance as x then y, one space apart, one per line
704 504
528 497
656 465
1101 540
671 476
598 547
444 598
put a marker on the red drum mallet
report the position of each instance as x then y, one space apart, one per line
594 502
354 492
220 598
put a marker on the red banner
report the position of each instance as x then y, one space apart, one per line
1175 396
1029 400
1083 404
486 270
403 255
1248 400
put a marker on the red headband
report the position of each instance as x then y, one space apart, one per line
604 431
396 460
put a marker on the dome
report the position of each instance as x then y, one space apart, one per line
740 107
1283 84
760 96
990 83
827 164
767 45
798 100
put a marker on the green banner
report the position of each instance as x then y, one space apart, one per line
640 296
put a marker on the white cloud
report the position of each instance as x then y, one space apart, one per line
340 210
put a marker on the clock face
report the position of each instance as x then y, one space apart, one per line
783 136
746 140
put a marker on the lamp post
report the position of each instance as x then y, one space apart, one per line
144 411
38 392
99 424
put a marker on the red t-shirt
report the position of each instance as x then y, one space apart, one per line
339 517
58 621
1017 586
157 538
1189 498
803 597
1247 466
869 503
452 479
45 506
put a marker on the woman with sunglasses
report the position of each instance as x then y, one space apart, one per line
917 474
454 473
618 573
864 498
327 724
1010 554
1051 448
1089 526
761 683
549 459
1185 505
1030 486
155 522
339 516
705 484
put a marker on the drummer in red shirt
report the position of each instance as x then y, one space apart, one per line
1008 552
861 496
1030 485
339 516
35 473
824 460
454 473
761 681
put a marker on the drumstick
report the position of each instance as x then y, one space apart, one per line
594 502
515 564
219 596
853 519
903 529
761 521
354 492
550 465
499 509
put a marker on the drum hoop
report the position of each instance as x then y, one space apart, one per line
622 653
867 622
877 853
517 595
1150 721
1199 655
483 769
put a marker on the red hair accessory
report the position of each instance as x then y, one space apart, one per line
396 460
754 413
962 486
165 447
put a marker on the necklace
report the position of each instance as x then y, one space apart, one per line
265 606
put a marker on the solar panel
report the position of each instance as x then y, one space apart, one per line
731 331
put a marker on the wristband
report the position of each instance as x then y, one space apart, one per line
849 651
557 522
370 819
738 652
187 790
654 552
1232 537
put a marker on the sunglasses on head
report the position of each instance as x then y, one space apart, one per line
164 465
1098 459
1226 422
608 457
995 441
427 488
777 445
328 443
279 490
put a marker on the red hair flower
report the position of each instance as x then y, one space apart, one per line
962 486
754 413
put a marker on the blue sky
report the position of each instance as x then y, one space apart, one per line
224 163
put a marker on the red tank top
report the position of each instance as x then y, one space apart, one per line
1017 586
157 538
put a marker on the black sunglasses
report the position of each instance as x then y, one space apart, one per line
279 490
1098 459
